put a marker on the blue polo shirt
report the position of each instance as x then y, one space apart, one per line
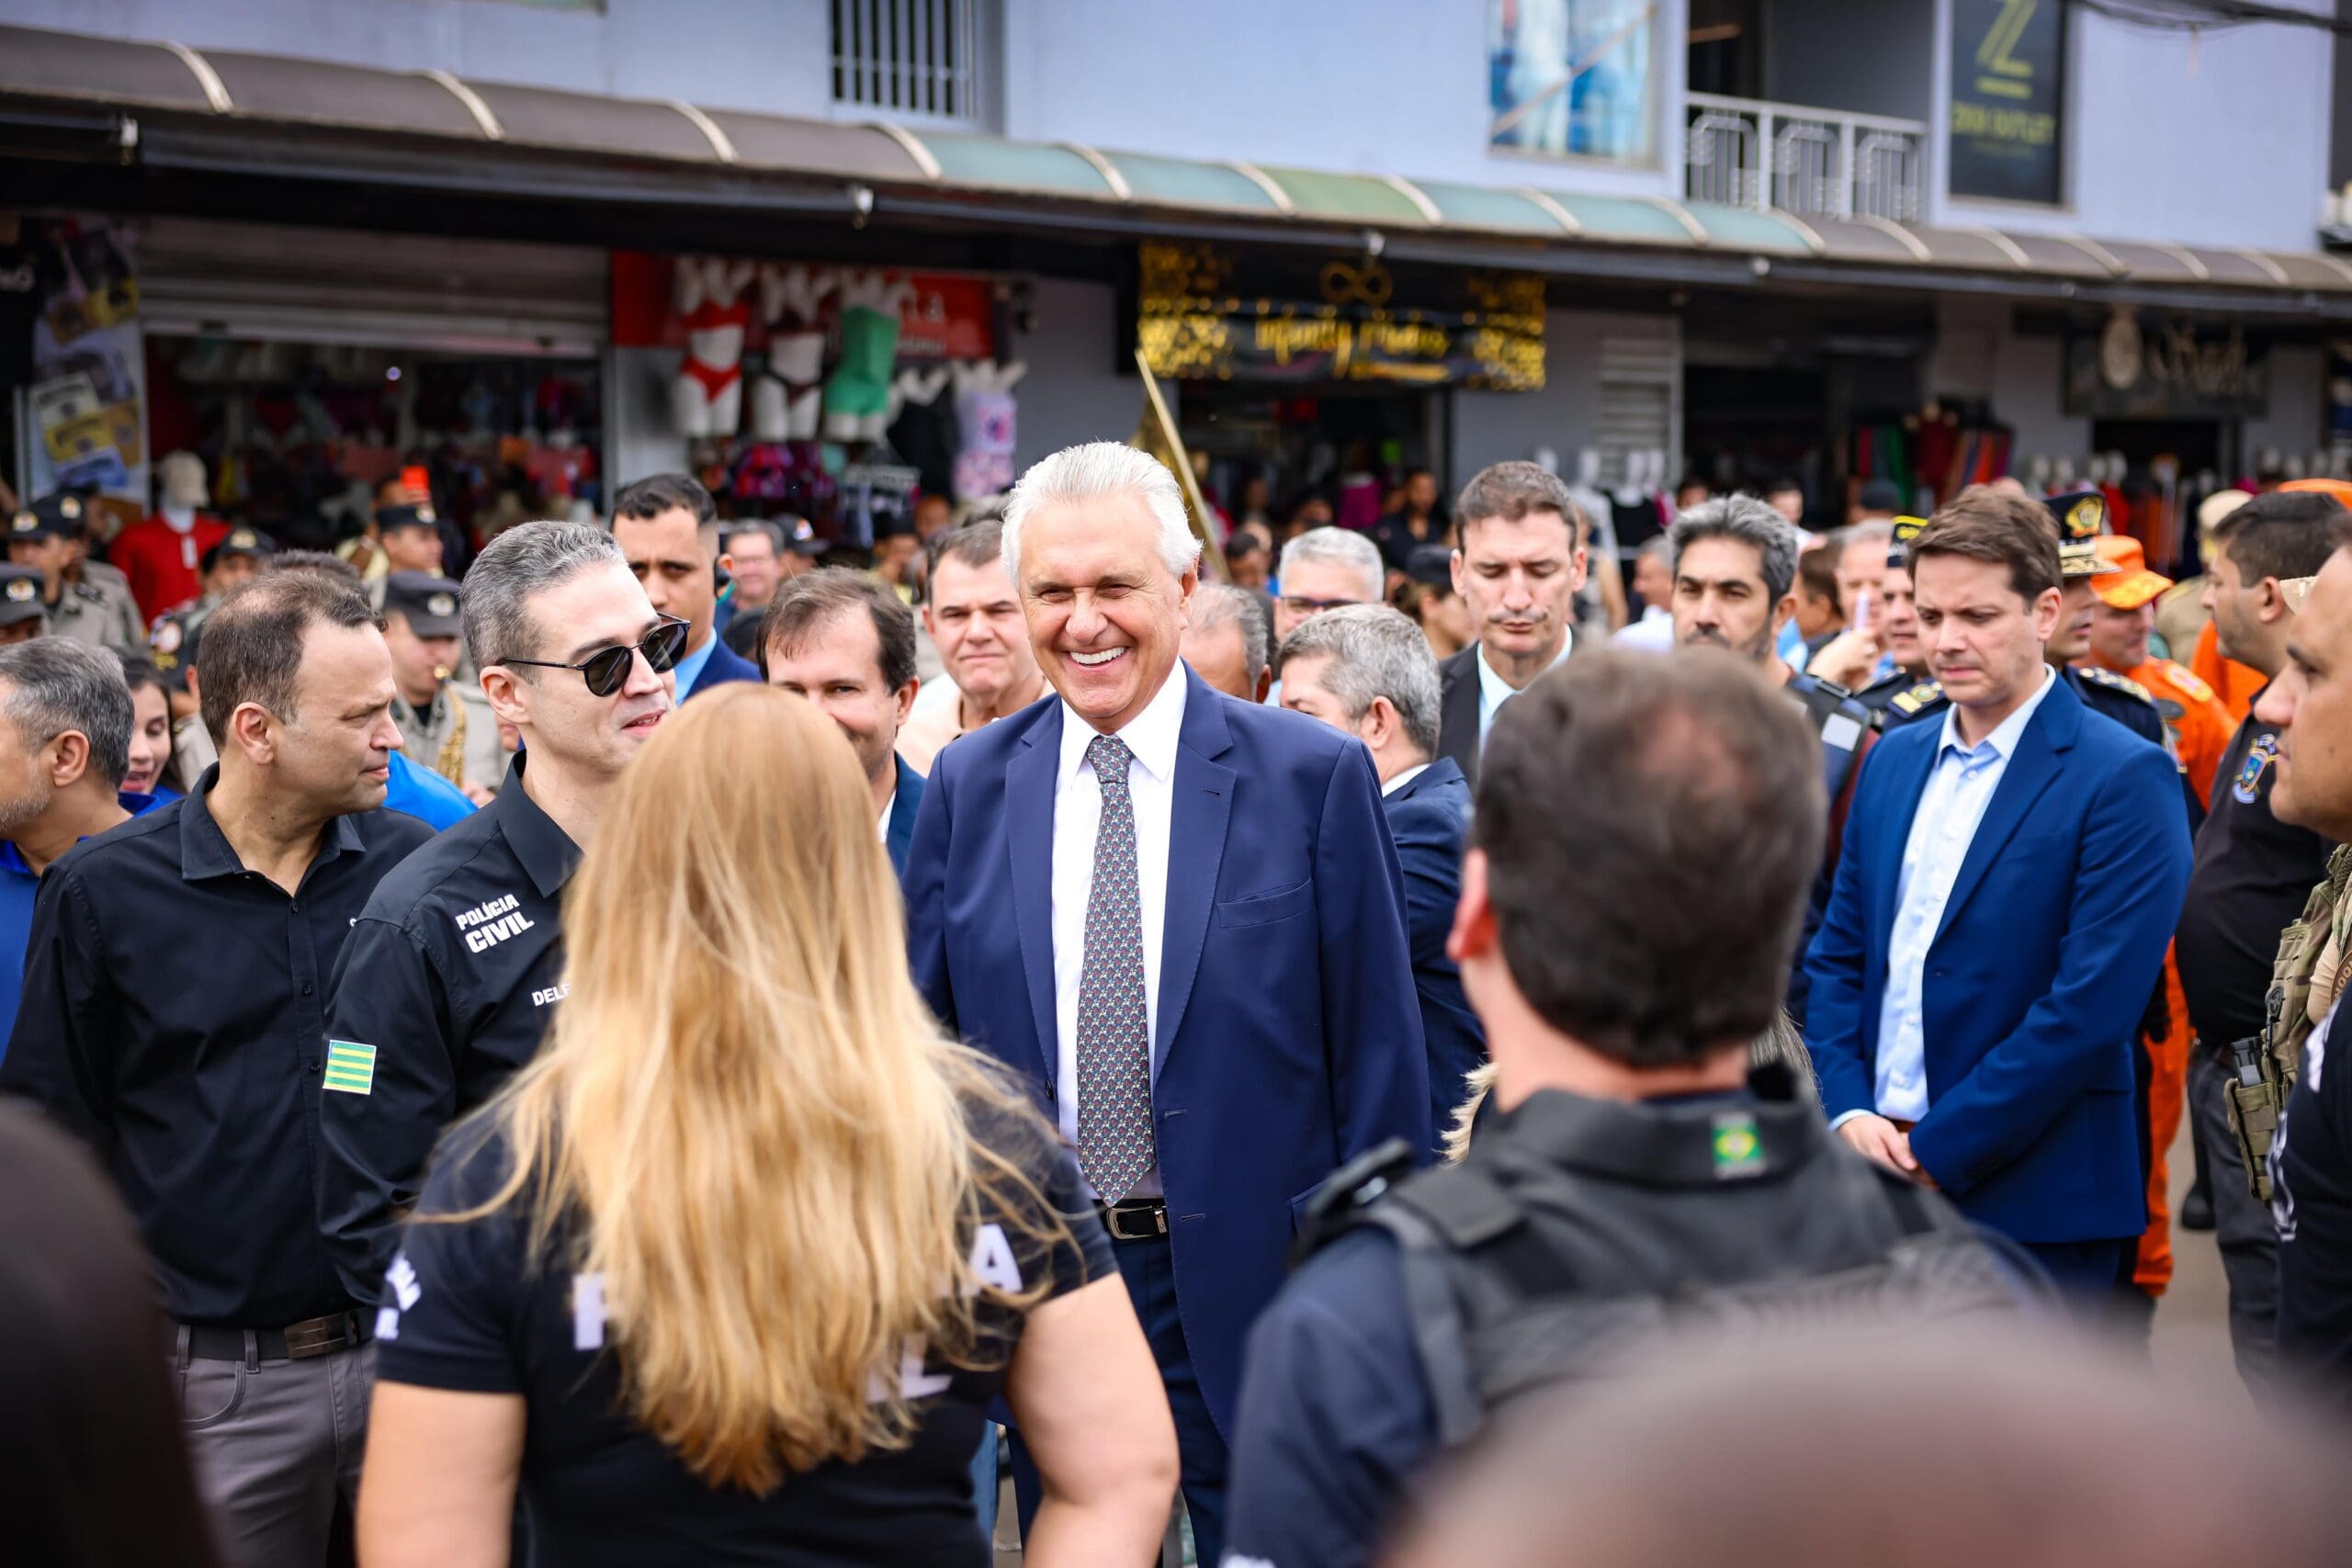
18 884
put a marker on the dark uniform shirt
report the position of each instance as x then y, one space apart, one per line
2311 1168
447 986
468 1308
2249 880
174 1016
1339 1425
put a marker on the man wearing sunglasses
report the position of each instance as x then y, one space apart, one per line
452 972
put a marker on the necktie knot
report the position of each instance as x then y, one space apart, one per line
1110 756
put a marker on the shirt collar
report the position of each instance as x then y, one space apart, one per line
689 666
1151 735
204 849
1401 780
546 851
1494 691
2004 739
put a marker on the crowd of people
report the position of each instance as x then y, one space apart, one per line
604 1061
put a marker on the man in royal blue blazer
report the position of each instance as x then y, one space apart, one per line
668 527
2009 880
1180 916
1367 670
847 643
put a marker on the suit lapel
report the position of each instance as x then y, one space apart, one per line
1201 807
1029 843
2030 772
1894 832
908 796
1458 713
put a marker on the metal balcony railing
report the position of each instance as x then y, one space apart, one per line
1814 162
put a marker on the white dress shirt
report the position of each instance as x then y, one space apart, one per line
882 823
1402 779
1960 787
1494 691
1150 737
1653 631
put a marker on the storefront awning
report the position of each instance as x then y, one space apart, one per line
165 87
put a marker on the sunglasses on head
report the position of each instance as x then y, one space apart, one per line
606 669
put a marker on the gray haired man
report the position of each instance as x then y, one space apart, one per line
64 748
448 982
1224 641
1368 671
1735 587
1324 569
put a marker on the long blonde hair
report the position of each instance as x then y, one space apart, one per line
762 1134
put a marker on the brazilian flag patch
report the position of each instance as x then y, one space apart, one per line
351 1068
1739 1152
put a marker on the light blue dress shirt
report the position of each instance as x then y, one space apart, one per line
689 666
1494 691
1960 787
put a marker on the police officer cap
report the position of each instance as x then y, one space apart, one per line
1431 564
56 515
241 542
800 537
2081 516
429 603
19 594
418 516
1898 548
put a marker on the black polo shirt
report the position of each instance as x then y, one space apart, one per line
446 988
174 1016
476 1306
2250 878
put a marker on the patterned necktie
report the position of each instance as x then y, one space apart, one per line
1115 1147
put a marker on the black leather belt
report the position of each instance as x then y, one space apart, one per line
1136 1219
295 1342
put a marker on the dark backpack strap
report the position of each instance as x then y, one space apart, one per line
1436 1316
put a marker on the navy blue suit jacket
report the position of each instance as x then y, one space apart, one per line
723 665
2036 979
1428 817
1288 1038
901 836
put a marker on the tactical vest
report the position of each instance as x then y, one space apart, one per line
1839 718
2262 1068
1522 1273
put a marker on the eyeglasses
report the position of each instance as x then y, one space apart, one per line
606 671
1298 606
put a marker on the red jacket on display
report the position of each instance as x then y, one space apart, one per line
162 563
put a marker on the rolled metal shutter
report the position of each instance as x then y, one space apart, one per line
283 283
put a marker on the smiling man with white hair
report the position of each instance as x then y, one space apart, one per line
1182 915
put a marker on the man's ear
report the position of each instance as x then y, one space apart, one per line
252 729
1473 934
68 759
503 687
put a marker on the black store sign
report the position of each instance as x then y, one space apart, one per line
1204 315
2008 60
2143 365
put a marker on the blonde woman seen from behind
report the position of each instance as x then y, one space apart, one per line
750 1245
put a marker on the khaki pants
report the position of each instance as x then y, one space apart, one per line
275 1444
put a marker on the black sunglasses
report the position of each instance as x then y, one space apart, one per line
606 671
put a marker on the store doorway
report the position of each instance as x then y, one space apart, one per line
1288 455
1750 427
296 437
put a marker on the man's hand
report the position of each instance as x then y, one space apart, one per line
1848 660
1878 1139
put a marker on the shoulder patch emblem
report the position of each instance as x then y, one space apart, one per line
351 1068
1918 697
2114 683
2258 758
2191 683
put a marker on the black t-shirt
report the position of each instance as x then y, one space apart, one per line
2250 878
466 1309
2311 1168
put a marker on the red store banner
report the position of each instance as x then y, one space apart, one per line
942 316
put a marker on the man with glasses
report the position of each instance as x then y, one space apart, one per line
448 982
1323 569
